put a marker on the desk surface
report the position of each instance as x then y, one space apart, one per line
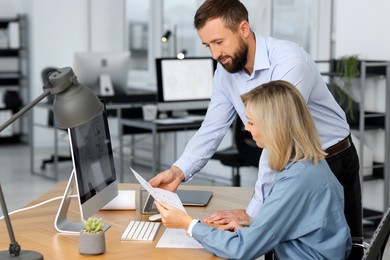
34 229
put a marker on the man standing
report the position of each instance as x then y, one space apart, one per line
247 60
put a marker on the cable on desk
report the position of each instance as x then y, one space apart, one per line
34 206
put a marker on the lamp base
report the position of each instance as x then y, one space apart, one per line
24 254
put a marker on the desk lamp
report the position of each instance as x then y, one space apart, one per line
73 105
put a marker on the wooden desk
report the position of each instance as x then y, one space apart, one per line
34 229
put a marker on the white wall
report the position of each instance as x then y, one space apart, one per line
107 25
57 29
362 28
9 8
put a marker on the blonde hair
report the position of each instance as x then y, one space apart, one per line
287 127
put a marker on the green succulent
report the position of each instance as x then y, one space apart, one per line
93 225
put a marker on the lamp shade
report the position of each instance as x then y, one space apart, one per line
74 104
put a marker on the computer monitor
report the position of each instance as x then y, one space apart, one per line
104 72
184 84
93 179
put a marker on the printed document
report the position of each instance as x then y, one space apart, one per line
166 196
172 238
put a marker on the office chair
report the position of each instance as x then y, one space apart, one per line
244 152
50 99
377 245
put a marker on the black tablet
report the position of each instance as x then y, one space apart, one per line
188 198
194 197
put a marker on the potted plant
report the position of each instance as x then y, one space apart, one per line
92 240
347 68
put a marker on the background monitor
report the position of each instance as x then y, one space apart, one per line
184 84
93 176
104 72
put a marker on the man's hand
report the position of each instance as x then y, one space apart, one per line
168 180
232 226
226 216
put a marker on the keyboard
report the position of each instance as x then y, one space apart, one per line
140 230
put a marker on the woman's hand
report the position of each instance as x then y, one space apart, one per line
173 217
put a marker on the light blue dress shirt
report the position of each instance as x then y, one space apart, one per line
274 60
302 218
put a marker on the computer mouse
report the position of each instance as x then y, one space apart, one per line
156 217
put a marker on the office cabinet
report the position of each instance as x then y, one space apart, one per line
366 102
377 122
13 76
370 124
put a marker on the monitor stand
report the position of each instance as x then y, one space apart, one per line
61 222
106 87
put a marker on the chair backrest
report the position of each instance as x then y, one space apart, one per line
246 146
379 239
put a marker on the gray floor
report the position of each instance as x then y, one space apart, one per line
20 186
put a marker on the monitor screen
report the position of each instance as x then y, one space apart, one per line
104 72
93 181
94 164
184 84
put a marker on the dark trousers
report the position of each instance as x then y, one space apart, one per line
345 167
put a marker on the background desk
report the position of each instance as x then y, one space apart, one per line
114 106
155 129
34 229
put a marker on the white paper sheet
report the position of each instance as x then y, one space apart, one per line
172 238
177 238
166 196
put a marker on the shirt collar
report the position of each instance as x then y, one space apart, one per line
288 165
261 55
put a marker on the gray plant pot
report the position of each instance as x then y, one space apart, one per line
92 243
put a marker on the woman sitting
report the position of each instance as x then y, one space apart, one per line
303 215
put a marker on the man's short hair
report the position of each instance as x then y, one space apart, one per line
232 12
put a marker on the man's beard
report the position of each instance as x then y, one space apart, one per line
239 59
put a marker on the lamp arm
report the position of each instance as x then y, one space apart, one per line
26 108
14 247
